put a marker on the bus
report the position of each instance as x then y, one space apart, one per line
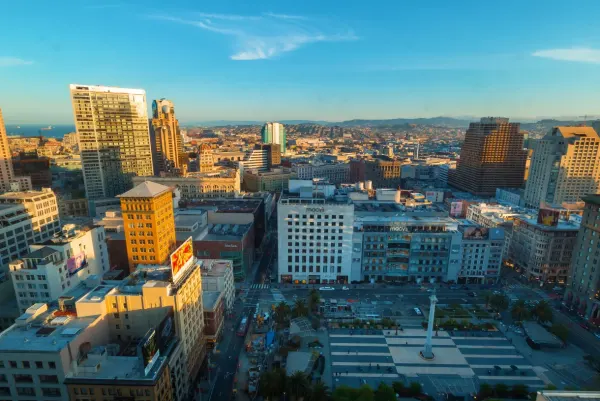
243 328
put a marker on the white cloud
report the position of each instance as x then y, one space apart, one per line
265 36
576 54
13 62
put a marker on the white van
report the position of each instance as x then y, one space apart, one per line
418 312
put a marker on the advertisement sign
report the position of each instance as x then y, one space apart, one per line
456 209
475 233
431 196
548 217
182 258
166 330
148 350
76 263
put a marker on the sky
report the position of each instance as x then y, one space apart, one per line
310 59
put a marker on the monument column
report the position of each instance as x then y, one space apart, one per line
427 352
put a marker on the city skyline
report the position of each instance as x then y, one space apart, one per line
314 62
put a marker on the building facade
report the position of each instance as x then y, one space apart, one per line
214 316
276 180
384 172
217 275
169 156
42 206
53 269
274 133
315 241
564 167
149 223
114 140
6 168
492 216
338 173
201 185
491 157
583 285
543 252
206 161
33 166
481 250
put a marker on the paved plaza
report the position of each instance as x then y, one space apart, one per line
462 361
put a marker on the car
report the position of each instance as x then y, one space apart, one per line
472 294
326 288
418 312
455 287
464 287
497 292
431 290
345 288
597 334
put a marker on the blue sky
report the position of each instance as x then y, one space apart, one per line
308 59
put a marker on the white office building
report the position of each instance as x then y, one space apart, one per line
42 207
56 267
481 251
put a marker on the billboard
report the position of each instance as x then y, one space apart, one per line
182 258
148 350
456 209
548 217
166 330
475 233
76 263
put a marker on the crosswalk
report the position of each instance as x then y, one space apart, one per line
260 286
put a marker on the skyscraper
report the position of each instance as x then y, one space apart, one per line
149 223
6 168
169 144
114 140
491 157
274 133
206 161
564 166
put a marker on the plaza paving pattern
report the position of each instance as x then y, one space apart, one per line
462 361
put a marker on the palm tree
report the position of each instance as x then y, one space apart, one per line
282 312
519 310
499 302
268 384
314 299
542 312
319 392
298 386
300 308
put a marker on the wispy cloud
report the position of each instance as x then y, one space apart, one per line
13 62
575 54
259 37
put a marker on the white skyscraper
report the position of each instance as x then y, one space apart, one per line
274 133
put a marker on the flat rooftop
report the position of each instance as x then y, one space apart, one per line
25 194
563 225
215 267
227 232
209 299
244 205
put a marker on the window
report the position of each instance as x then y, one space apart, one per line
52 365
48 379
26 365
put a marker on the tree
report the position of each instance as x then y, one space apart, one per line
485 391
501 390
300 308
560 330
385 393
551 387
519 310
365 393
344 393
272 383
319 392
297 386
542 312
415 389
314 299
282 313
399 388
519 391
499 302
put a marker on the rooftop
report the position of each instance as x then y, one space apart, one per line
40 253
594 199
210 299
225 232
584 131
247 205
563 225
146 189
26 194
559 395
215 267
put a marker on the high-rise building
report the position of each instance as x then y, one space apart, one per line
6 168
274 133
564 167
42 207
583 285
112 124
206 161
149 223
491 157
169 144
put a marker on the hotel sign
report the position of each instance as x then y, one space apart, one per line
182 258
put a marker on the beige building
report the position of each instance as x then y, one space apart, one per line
201 185
114 141
145 296
276 180
564 167
6 168
206 160
169 145
42 206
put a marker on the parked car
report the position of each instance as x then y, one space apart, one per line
326 288
345 288
472 294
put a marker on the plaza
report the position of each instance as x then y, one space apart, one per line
463 360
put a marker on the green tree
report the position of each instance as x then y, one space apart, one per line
314 299
399 388
385 393
551 387
297 386
271 384
485 391
415 389
499 302
542 312
519 391
501 390
519 310
282 313
300 308
344 393
365 393
319 392
560 330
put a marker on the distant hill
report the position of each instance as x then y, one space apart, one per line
436 121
